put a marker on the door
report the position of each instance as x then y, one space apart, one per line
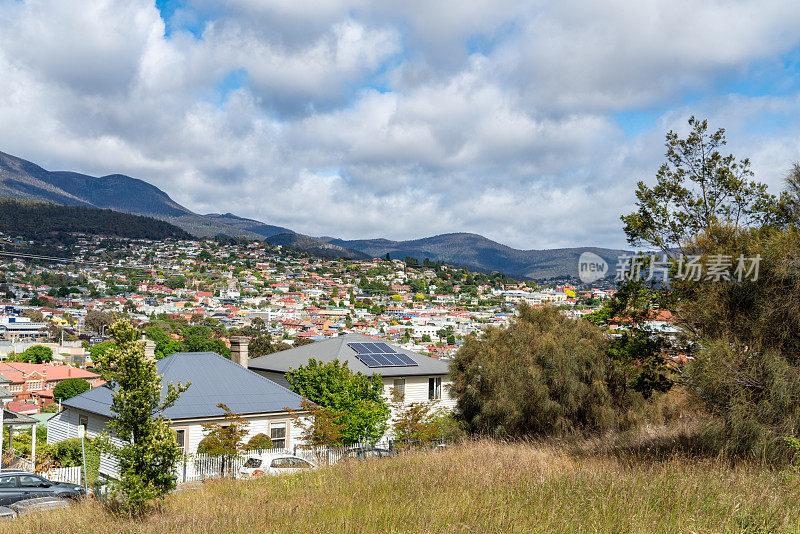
33 486
9 490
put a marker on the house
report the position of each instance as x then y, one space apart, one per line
36 381
420 378
214 379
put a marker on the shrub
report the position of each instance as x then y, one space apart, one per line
746 369
544 375
210 445
259 441
37 354
66 389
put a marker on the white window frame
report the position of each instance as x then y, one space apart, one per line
278 424
435 388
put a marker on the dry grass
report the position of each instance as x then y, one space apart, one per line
483 486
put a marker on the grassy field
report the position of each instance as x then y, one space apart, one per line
647 484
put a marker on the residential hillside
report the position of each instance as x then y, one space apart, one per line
24 180
481 254
46 220
315 246
248 225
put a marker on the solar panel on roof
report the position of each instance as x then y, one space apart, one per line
368 360
400 360
359 348
382 359
380 355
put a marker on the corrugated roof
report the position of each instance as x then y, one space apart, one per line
337 349
214 379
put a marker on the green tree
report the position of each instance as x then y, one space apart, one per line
149 452
415 421
37 354
66 389
165 345
697 190
175 282
226 439
260 441
543 375
319 427
199 339
97 320
358 398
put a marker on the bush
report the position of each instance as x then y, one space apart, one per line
67 453
210 445
66 389
259 441
746 369
544 375
37 354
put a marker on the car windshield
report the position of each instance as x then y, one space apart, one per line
252 463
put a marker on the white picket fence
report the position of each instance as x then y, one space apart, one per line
203 467
71 475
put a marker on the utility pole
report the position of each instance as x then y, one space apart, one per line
82 435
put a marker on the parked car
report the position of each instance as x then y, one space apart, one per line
271 463
21 485
365 453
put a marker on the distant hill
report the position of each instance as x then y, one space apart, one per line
249 225
48 221
481 254
315 246
24 180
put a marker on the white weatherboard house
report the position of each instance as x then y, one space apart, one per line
214 380
420 378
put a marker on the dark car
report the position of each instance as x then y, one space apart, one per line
366 453
21 485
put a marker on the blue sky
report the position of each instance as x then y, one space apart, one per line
527 122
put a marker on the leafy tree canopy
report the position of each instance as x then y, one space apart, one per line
358 398
70 387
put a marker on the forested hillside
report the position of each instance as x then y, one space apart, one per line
41 220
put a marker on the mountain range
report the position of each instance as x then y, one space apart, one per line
22 179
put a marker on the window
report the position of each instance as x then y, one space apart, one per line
252 463
400 386
34 385
16 388
277 433
8 482
30 481
180 439
83 420
435 388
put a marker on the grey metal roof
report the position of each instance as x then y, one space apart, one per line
214 379
13 418
337 349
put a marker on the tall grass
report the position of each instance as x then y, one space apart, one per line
479 486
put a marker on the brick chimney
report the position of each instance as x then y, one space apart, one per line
239 350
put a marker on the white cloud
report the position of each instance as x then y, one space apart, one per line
366 119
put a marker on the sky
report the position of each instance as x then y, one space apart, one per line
527 122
